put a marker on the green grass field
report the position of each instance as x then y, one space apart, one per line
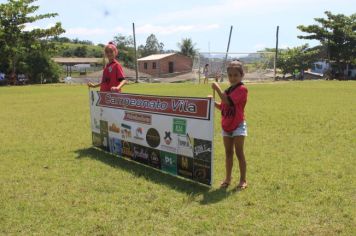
301 154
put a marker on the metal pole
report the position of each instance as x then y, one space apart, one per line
276 53
227 51
199 66
134 36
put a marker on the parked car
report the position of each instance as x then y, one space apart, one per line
21 79
2 79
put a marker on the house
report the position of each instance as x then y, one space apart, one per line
77 63
321 67
163 65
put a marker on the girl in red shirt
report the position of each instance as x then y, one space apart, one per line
113 76
234 128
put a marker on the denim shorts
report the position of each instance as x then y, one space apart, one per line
241 130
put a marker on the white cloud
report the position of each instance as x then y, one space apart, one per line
30 27
166 30
260 46
86 31
122 30
172 29
226 8
50 25
285 46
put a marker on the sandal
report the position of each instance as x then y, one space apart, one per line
242 186
224 184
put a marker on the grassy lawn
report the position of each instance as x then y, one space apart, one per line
301 154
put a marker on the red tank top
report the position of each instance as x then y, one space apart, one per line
233 113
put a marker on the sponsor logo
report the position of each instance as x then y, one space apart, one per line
96 139
96 124
170 142
92 97
185 166
126 131
115 146
202 171
138 118
153 138
127 150
140 154
202 149
139 133
184 163
179 126
101 112
167 137
169 162
185 145
155 160
105 142
114 128
168 148
104 132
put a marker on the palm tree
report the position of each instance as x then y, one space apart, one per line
187 47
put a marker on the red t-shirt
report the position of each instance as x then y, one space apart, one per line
112 76
233 113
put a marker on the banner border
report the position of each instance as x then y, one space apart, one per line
159 113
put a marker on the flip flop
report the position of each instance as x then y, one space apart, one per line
224 184
241 187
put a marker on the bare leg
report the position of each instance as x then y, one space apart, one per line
239 149
229 157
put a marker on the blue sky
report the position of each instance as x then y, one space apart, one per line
206 22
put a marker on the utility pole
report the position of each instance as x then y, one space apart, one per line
134 37
276 53
227 51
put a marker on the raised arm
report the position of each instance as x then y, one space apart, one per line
221 94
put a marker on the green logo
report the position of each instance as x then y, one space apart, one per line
179 126
169 162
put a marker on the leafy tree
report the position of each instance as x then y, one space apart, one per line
297 58
153 46
39 66
17 44
187 47
123 42
338 34
61 39
80 51
126 49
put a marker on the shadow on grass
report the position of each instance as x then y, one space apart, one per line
215 195
194 190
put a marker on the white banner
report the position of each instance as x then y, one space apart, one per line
173 134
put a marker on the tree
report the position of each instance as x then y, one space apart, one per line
80 51
39 66
187 47
125 45
338 34
123 42
17 43
152 46
297 58
61 39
